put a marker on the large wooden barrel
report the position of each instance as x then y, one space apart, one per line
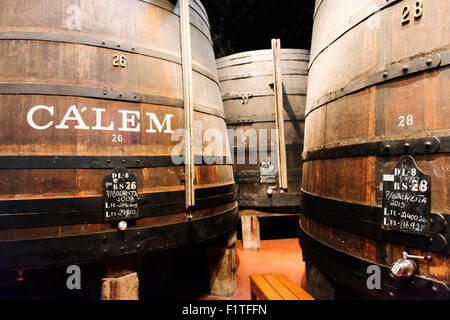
378 105
87 87
246 80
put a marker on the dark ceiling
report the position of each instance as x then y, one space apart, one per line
243 25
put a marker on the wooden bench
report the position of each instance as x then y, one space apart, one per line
275 286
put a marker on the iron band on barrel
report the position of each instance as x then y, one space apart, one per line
398 71
240 59
93 162
260 73
262 93
291 117
428 145
365 221
103 43
99 93
73 211
98 246
292 200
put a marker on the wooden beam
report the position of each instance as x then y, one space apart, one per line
121 288
251 239
186 50
263 214
279 115
223 268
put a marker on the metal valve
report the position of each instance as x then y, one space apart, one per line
271 190
406 267
122 225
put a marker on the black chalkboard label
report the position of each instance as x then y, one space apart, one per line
120 194
407 199
268 172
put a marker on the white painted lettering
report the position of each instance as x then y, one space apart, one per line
135 126
160 126
31 114
75 117
98 117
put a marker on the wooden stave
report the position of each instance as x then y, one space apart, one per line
265 54
138 76
156 9
362 189
294 64
210 176
339 45
290 58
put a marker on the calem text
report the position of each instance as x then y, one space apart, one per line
130 120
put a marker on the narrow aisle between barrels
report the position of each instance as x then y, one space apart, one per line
275 256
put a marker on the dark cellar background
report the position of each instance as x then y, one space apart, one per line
244 25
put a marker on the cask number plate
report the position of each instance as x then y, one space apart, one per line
120 194
406 199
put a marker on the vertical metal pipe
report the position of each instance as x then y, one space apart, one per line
279 115
186 52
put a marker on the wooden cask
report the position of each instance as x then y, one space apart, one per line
246 80
378 103
87 87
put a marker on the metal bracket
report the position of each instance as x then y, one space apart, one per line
410 146
244 120
428 145
242 76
